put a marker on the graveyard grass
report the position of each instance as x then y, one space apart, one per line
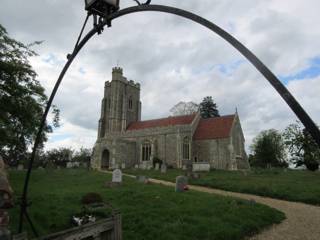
291 185
149 211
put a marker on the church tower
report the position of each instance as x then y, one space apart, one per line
121 104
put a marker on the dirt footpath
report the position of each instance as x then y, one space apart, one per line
303 220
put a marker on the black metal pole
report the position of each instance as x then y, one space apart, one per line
71 57
273 80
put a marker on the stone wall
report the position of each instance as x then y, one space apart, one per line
237 147
214 151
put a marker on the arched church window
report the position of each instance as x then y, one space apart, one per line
146 151
186 148
130 103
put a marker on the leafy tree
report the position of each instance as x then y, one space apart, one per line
268 150
184 108
208 108
83 155
22 100
303 149
58 157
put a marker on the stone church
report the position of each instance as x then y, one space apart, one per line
125 140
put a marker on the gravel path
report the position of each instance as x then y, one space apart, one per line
303 220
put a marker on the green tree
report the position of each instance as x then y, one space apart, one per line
268 150
22 100
208 108
303 149
58 157
83 155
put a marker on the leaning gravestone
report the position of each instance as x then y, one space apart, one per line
157 166
117 176
181 183
163 168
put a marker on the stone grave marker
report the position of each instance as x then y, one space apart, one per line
123 166
184 167
143 166
136 166
117 176
163 168
157 166
142 179
20 167
181 183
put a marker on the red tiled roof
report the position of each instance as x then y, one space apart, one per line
163 122
212 128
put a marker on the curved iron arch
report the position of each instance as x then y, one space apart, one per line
273 80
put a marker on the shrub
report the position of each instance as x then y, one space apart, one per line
155 161
90 198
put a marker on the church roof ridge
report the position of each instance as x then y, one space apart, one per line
162 122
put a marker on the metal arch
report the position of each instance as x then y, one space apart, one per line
273 80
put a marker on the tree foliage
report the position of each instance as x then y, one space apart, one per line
268 150
184 108
83 155
22 99
208 108
58 157
303 149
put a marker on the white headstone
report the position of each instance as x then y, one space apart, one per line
136 166
157 166
143 166
184 167
163 168
123 166
69 165
201 167
117 176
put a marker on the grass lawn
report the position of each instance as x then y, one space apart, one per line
292 185
148 211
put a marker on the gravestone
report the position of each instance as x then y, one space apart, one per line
149 167
69 165
136 166
143 166
181 183
157 166
142 179
20 167
123 166
184 167
117 176
163 168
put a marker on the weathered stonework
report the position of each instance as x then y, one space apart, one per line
173 142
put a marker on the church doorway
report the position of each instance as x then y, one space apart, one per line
105 160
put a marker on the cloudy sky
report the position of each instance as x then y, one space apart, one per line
175 59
